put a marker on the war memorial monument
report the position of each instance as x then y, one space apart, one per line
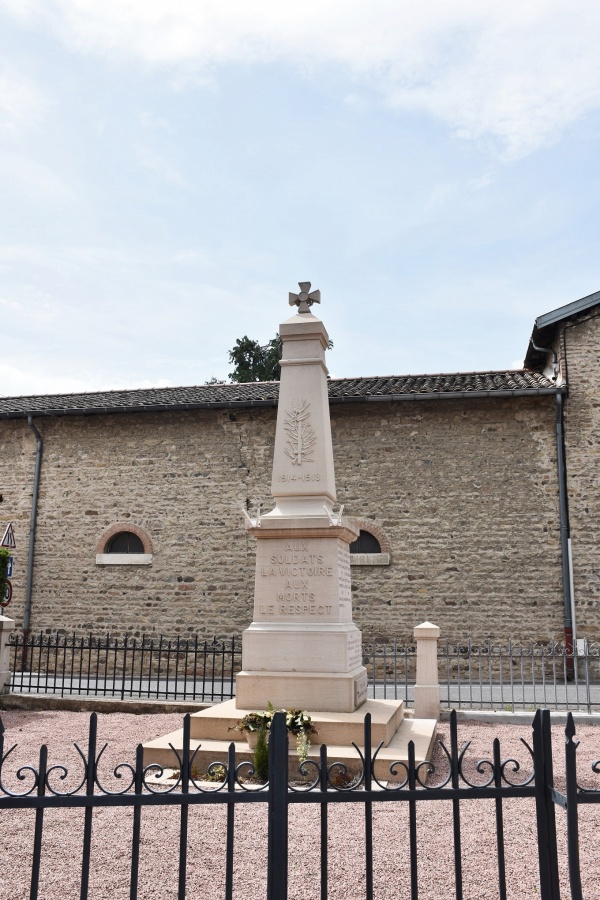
302 648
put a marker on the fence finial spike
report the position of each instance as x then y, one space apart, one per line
570 727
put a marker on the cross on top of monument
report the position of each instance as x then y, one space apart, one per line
305 299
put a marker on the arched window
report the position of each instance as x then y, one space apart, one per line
365 543
124 544
372 547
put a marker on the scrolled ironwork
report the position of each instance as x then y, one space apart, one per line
116 773
448 778
64 774
251 772
595 767
212 771
394 773
480 766
20 774
428 767
516 767
159 772
391 769
304 770
340 770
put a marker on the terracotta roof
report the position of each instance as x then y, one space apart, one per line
219 396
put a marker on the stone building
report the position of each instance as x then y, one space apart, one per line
473 492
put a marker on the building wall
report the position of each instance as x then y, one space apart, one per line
580 344
466 492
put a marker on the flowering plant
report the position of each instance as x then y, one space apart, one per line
297 720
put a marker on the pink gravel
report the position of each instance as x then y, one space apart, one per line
63 829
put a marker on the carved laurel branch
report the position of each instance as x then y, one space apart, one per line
301 436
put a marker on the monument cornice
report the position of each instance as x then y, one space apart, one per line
292 530
310 361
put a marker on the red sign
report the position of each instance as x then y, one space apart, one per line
7 595
9 537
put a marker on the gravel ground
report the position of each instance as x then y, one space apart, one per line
63 829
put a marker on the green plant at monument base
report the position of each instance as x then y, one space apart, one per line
4 560
302 746
217 772
253 721
298 722
260 757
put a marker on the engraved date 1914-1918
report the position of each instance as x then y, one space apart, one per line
301 476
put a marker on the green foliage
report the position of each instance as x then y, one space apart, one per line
297 721
253 721
4 558
216 772
254 362
302 746
261 755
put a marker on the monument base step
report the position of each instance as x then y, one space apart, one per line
344 732
217 723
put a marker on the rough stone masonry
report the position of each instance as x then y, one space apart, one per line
456 475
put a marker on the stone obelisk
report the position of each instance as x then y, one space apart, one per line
302 648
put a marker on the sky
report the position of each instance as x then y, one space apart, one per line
171 169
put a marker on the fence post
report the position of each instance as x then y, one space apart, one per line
427 687
6 627
572 810
277 860
544 804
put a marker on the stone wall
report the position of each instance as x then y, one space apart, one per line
465 491
580 344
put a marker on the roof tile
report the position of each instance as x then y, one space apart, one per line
266 393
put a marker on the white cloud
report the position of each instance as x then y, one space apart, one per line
517 73
22 382
154 162
21 102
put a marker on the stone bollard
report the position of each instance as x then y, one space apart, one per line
6 627
427 688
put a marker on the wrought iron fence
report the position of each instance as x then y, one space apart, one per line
42 786
146 668
490 675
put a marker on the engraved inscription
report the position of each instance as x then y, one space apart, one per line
344 573
300 579
300 476
354 650
361 685
302 439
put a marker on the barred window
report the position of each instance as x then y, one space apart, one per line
365 543
125 542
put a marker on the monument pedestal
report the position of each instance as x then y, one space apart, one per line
311 690
302 649
211 736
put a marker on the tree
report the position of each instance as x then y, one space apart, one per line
254 362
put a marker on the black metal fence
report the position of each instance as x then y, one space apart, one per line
472 676
147 668
39 787
493 675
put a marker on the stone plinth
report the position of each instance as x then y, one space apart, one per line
427 688
212 734
6 627
302 648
